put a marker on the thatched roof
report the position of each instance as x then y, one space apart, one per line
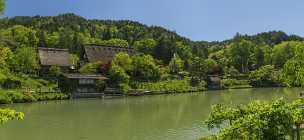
54 57
104 53
85 76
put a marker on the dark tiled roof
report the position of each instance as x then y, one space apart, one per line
54 57
85 76
104 53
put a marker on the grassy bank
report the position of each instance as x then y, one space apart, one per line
171 86
19 96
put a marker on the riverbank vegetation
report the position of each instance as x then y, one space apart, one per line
255 121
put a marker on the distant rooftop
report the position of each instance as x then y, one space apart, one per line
54 57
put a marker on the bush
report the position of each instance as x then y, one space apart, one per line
91 68
255 121
233 82
5 99
172 86
263 77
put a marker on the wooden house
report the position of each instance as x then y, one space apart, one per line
79 85
54 57
105 54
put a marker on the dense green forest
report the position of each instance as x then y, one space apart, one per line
265 59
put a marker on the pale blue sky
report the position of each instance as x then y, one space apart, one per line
196 19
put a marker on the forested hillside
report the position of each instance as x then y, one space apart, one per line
167 55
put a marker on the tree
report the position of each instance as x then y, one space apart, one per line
8 114
283 52
198 70
52 39
25 60
210 65
91 68
263 77
55 71
241 54
144 68
145 46
231 72
123 60
176 64
119 78
2 6
5 57
23 36
112 42
255 121
292 74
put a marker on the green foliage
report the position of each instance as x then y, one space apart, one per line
112 42
8 114
228 83
21 36
118 77
2 6
91 68
176 65
240 54
145 46
5 57
145 68
18 96
263 77
292 74
171 86
123 60
210 65
25 60
74 59
55 71
255 121
284 51
198 71
231 72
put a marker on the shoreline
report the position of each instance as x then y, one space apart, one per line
151 93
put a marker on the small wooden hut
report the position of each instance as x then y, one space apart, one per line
79 85
214 82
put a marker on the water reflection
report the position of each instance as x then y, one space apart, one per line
165 117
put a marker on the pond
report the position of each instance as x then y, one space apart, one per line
160 117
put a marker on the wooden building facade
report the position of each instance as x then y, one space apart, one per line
79 85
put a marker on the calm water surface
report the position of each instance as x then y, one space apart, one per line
163 117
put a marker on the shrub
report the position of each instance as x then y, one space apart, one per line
91 68
255 121
5 99
262 77
233 82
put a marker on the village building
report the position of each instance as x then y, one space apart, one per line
103 53
82 86
49 57
214 82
